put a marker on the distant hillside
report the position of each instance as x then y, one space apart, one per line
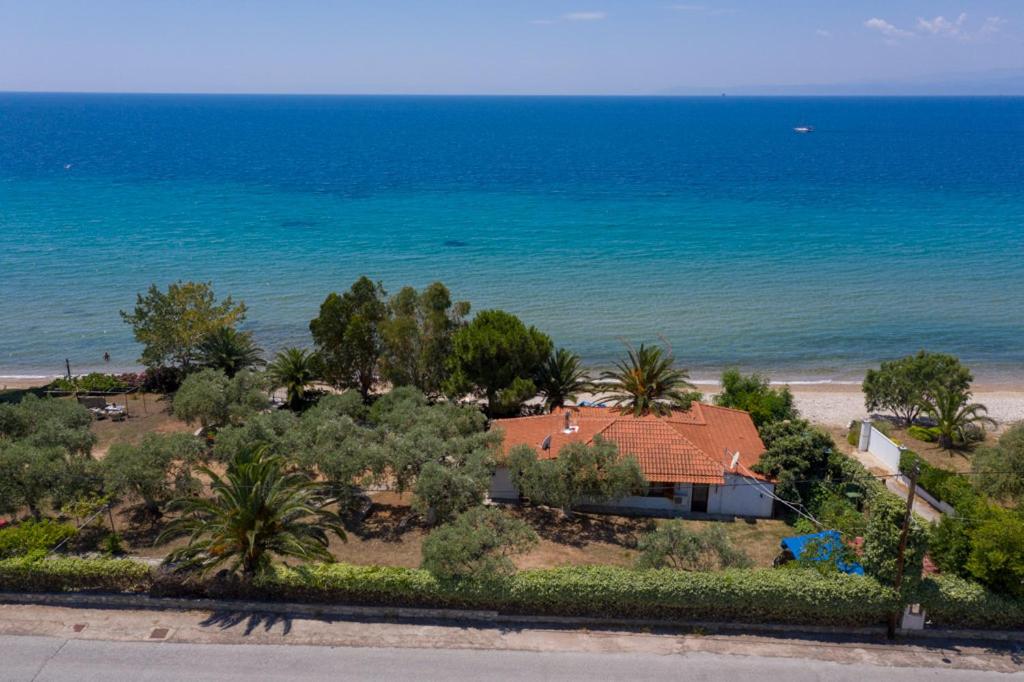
986 83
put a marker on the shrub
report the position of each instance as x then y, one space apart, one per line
999 470
923 433
949 545
997 552
673 545
882 539
213 400
30 537
95 382
477 545
27 574
946 485
444 490
162 379
154 471
112 544
950 601
853 435
796 451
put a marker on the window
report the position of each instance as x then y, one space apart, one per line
667 490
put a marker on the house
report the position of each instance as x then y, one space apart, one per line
697 461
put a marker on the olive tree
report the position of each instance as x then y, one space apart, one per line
478 545
581 472
155 471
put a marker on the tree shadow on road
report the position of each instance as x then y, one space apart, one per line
226 620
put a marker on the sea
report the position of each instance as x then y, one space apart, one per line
705 224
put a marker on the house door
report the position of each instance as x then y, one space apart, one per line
699 498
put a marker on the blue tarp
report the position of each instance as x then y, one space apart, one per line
827 542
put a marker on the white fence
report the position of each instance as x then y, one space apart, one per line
879 445
888 453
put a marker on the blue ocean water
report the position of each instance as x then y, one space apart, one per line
705 222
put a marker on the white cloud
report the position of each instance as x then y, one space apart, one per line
940 25
991 25
584 16
957 29
572 16
823 33
887 29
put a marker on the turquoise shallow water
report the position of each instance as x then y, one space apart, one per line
897 224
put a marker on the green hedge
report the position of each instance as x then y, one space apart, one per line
950 601
752 596
944 484
27 574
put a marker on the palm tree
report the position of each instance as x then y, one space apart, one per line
294 369
258 511
646 381
953 414
560 378
230 350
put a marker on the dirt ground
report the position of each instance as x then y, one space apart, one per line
147 413
391 536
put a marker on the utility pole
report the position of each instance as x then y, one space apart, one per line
901 554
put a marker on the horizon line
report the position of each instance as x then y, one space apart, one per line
725 94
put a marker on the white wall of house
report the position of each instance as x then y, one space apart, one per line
740 496
743 496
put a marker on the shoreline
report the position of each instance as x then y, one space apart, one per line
823 402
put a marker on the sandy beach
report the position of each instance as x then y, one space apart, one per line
838 404
828 404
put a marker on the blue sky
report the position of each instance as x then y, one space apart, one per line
489 47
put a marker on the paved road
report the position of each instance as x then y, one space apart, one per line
51 658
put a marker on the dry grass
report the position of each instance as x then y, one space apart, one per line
956 460
393 536
147 413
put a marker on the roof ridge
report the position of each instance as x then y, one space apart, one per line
723 407
699 449
600 432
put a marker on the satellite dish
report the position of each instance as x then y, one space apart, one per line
546 443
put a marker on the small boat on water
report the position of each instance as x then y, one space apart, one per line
803 129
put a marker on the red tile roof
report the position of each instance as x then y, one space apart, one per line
692 446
